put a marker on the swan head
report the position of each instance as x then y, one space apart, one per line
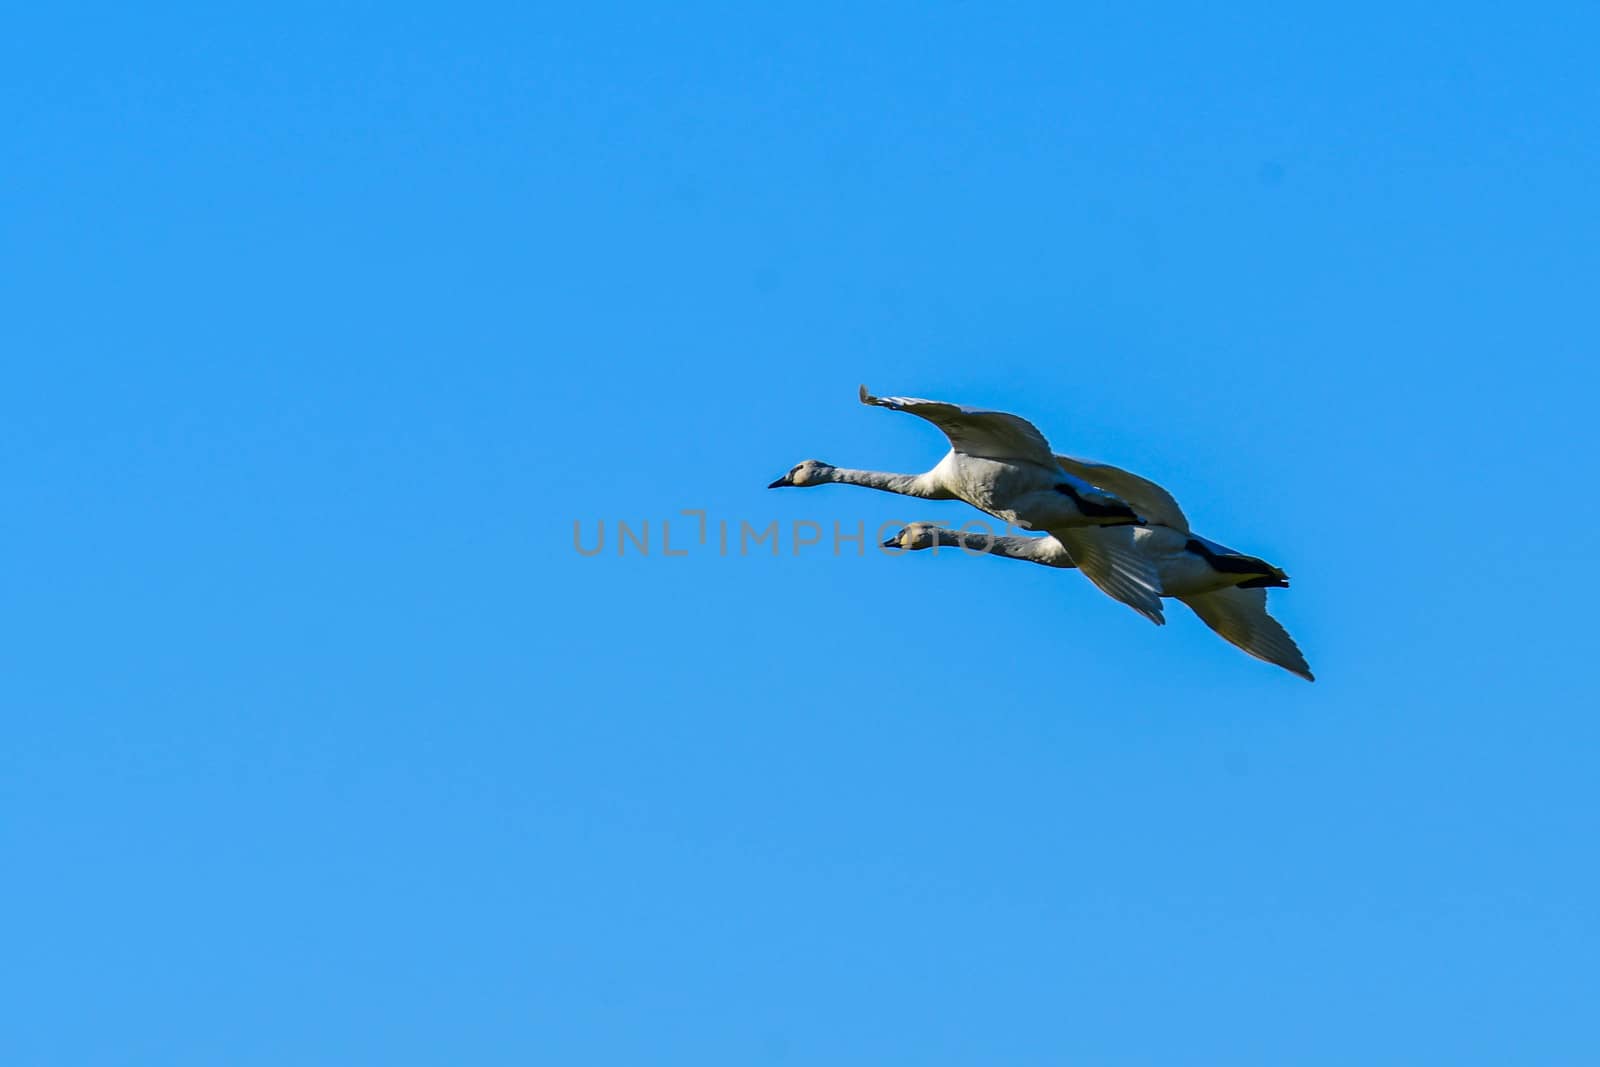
804 473
915 537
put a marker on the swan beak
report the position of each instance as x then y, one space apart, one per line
893 542
780 483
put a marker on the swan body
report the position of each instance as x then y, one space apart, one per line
1226 589
1001 464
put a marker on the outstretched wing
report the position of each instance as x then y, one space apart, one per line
1110 558
985 434
1143 495
1240 616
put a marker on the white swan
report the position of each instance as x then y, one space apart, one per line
1227 589
1002 464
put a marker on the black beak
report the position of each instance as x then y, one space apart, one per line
893 542
780 483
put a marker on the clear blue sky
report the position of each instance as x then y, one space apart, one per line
324 325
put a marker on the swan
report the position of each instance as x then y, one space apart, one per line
1001 464
1227 589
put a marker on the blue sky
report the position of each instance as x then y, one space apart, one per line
327 324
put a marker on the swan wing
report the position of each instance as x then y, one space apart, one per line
993 435
1144 496
1239 616
1110 558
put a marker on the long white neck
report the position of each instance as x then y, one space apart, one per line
1046 551
921 485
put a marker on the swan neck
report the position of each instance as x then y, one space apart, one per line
1030 549
903 484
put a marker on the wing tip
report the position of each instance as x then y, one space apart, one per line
866 397
1156 612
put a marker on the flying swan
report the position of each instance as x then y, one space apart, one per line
1227 589
1001 464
